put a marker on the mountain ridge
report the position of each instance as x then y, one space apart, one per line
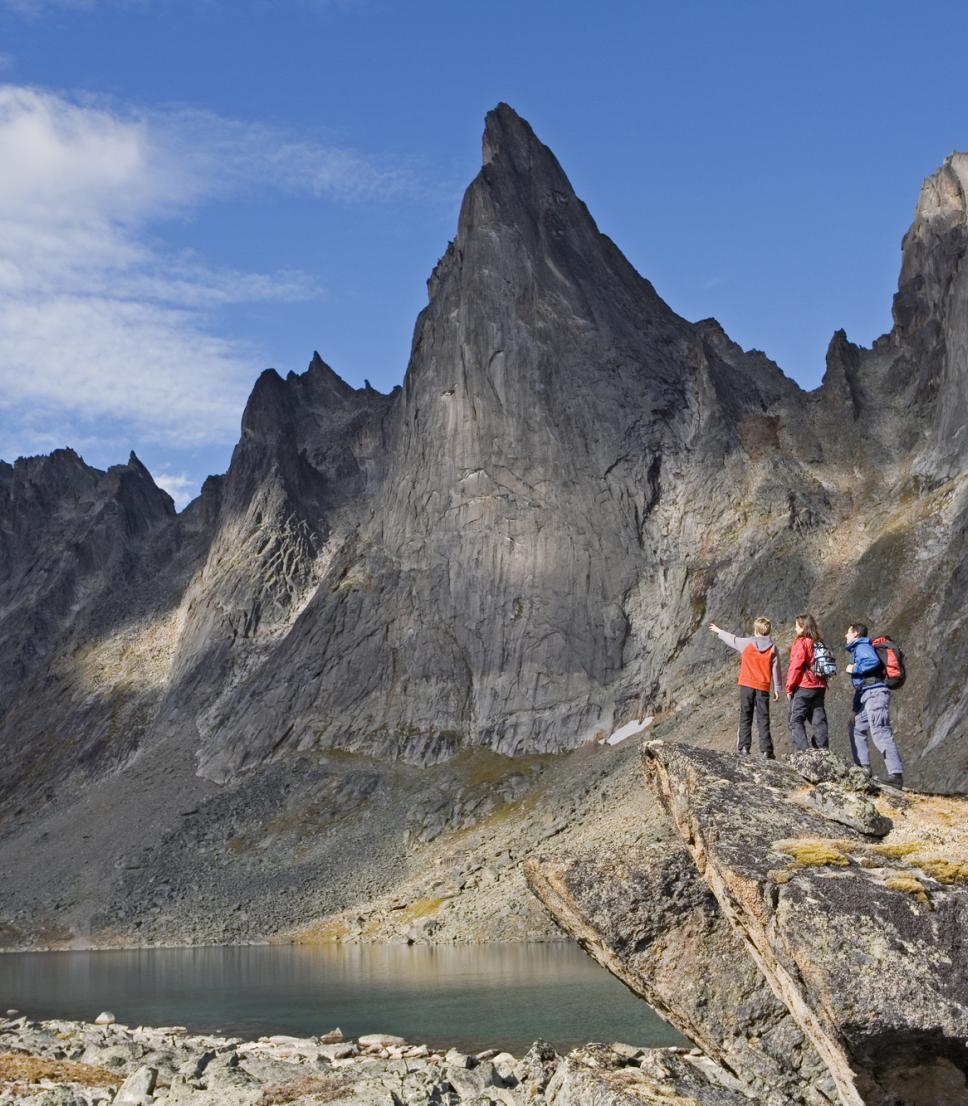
513 553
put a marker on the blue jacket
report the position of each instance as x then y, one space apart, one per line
868 670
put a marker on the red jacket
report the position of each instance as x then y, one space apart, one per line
798 672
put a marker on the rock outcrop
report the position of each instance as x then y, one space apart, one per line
812 961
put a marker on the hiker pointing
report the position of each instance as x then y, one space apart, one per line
759 670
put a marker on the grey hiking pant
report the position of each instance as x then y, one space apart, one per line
873 720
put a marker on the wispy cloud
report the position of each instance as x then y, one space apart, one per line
230 154
6 61
31 9
179 485
102 331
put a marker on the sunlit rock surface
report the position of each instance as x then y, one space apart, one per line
859 937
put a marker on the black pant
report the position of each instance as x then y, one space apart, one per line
807 706
751 700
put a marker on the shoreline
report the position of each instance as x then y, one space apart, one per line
77 1063
327 944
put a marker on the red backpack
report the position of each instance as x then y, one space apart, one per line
892 662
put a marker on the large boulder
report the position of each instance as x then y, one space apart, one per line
647 916
800 943
862 940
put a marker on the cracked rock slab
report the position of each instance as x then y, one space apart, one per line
646 915
862 941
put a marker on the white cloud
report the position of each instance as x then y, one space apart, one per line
180 486
145 364
32 8
98 324
228 153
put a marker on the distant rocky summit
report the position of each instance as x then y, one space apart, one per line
510 556
806 932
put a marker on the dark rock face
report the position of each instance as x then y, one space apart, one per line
64 524
829 965
572 476
931 316
520 547
81 551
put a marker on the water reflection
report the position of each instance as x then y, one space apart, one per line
472 996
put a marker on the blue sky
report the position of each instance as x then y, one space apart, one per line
193 190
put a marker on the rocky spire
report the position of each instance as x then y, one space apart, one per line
931 312
932 249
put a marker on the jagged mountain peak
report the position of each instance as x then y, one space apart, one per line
509 141
323 378
133 464
521 184
525 540
934 245
943 194
527 251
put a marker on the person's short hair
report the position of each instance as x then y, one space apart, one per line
762 626
859 628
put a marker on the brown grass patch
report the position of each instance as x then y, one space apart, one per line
814 853
33 1069
327 931
903 848
910 886
929 858
483 766
317 1088
944 871
420 908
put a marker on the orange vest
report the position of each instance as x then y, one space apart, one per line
756 668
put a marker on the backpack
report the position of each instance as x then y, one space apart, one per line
892 662
823 664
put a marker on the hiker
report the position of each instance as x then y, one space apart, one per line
872 705
759 670
806 684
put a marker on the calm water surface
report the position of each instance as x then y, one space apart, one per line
471 997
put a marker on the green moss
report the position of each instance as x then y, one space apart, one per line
421 908
483 766
944 871
910 886
325 932
904 848
810 853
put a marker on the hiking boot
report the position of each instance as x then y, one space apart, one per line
770 756
741 752
895 779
